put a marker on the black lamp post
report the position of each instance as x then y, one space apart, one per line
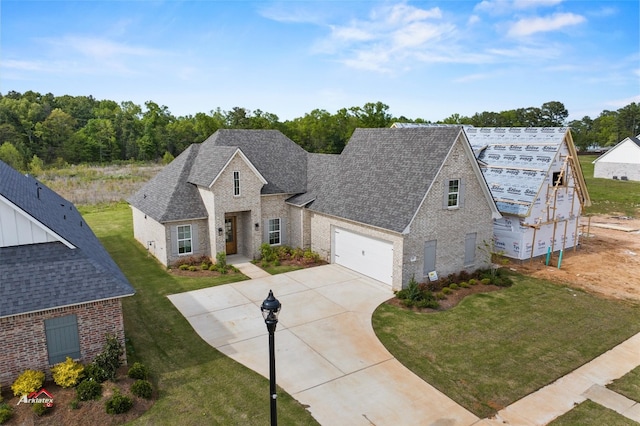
270 309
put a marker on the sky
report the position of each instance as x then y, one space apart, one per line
424 59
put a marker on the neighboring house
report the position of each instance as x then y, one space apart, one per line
60 292
620 162
537 183
395 204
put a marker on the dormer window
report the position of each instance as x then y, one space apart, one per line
236 184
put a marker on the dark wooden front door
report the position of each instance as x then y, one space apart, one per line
231 235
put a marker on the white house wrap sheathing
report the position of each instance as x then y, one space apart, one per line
519 166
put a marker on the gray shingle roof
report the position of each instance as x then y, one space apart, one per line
383 175
172 194
169 196
282 162
42 276
319 168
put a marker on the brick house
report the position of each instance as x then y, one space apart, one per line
395 204
60 291
620 162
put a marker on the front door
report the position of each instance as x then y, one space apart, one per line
230 235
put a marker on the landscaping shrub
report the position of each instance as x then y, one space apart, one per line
39 409
447 290
485 281
193 268
95 373
6 411
267 253
27 382
110 358
88 390
68 373
440 295
221 261
473 281
138 371
454 286
183 267
142 388
417 295
464 284
118 403
213 268
74 404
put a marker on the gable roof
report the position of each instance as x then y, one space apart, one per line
282 162
383 174
37 277
516 161
173 195
634 140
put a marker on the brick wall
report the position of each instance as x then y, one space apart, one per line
150 234
24 343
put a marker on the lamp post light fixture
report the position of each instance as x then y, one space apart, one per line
270 309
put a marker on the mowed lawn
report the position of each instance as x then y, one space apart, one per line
495 348
197 384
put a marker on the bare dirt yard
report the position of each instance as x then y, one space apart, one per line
607 262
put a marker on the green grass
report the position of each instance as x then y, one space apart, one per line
610 196
280 269
494 348
589 413
628 385
197 384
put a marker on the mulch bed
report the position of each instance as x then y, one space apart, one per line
452 299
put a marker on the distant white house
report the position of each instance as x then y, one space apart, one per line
620 162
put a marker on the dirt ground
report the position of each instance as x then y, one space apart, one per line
607 261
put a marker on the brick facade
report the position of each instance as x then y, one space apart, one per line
24 343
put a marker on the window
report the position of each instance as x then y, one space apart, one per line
453 195
184 239
236 183
62 338
274 231
558 178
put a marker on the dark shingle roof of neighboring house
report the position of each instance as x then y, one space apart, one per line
37 277
169 196
384 174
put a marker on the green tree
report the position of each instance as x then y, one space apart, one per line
56 130
553 114
98 141
10 155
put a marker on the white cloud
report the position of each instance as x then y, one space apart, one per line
557 21
500 7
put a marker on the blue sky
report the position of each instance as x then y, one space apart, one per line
425 59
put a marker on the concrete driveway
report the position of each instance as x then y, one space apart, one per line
327 355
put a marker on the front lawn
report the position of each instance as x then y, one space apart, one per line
494 348
197 384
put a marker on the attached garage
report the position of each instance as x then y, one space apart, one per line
369 256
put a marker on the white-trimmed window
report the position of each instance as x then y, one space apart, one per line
236 183
184 239
274 232
453 194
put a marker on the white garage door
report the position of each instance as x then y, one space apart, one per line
369 256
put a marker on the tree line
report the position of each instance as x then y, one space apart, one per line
39 130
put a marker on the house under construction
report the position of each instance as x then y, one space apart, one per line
538 186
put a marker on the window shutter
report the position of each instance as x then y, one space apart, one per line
174 240
445 194
283 231
470 249
265 231
62 338
461 193
429 257
194 239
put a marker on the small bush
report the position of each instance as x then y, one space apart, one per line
465 284
440 295
276 262
193 268
39 409
142 388
109 359
221 260
95 373
183 267
473 281
204 266
27 382
138 371
74 404
213 268
68 373
88 390
118 403
264 263
454 286
485 281
267 253
447 290
6 411
431 303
